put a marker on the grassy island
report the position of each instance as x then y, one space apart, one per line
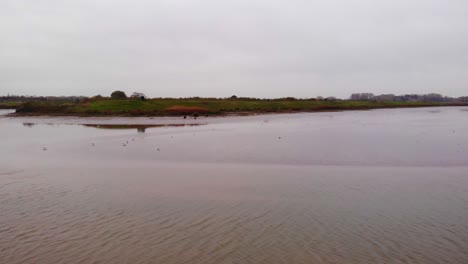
203 106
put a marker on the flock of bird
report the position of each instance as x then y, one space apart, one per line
124 144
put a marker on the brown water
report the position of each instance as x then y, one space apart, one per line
383 186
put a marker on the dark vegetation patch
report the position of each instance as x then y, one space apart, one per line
44 107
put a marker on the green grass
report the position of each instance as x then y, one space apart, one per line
9 105
159 107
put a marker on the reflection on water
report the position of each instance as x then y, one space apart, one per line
143 127
28 124
139 128
394 190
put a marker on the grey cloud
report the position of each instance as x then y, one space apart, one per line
218 48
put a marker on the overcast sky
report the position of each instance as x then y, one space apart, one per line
260 48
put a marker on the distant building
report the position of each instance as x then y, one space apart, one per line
362 96
384 97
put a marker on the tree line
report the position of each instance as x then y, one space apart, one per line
431 97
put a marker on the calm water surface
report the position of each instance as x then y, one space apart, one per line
382 186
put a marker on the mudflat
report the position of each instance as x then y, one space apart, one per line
380 186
